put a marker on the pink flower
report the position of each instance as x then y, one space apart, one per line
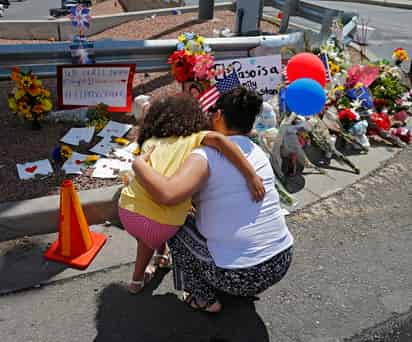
203 63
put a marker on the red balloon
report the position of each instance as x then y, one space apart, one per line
306 65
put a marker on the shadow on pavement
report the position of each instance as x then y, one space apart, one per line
156 318
22 264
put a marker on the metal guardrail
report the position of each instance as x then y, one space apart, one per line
151 55
147 55
318 14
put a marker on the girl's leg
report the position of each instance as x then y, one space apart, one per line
143 256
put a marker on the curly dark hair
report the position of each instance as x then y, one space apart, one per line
174 115
239 107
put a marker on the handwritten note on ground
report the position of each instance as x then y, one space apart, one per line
89 85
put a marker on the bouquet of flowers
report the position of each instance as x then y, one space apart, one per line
338 61
192 61
388 88
399 56
29 99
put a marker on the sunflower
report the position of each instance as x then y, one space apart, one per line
25 82
66 152
23 107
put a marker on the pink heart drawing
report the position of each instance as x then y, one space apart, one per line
31 169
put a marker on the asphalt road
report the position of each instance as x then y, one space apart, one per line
350 275
390 27
30 9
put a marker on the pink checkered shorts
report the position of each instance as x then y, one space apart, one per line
152 233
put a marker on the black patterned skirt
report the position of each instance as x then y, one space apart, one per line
194 270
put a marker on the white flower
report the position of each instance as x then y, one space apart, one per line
356 104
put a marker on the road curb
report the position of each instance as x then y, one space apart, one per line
40 215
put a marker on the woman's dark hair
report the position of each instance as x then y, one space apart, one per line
239 107
174 115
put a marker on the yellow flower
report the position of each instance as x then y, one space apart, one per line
334 68
121 141
23 107
181 38
358 85
200 40
19 94
136 152
12 104
92 158
66 152
47 105
400 54
25 82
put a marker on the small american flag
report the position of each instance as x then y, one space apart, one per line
210 96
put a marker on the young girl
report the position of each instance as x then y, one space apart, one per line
173 127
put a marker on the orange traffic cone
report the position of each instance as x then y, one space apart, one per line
76 245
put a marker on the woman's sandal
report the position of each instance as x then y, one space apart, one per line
192 302
162 261
136 286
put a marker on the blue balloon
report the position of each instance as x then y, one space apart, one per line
305 97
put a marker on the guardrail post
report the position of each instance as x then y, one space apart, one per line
289 8
248 14
206 8
327 22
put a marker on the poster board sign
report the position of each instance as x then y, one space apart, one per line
262 74
89 85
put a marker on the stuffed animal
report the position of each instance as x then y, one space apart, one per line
266 119
358 130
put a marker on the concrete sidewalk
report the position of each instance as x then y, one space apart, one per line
351 271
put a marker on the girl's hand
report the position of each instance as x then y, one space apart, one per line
256 188
146 156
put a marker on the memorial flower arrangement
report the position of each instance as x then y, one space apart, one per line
388 89
192 61
29 99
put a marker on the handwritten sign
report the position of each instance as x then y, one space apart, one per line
89 85
262 74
